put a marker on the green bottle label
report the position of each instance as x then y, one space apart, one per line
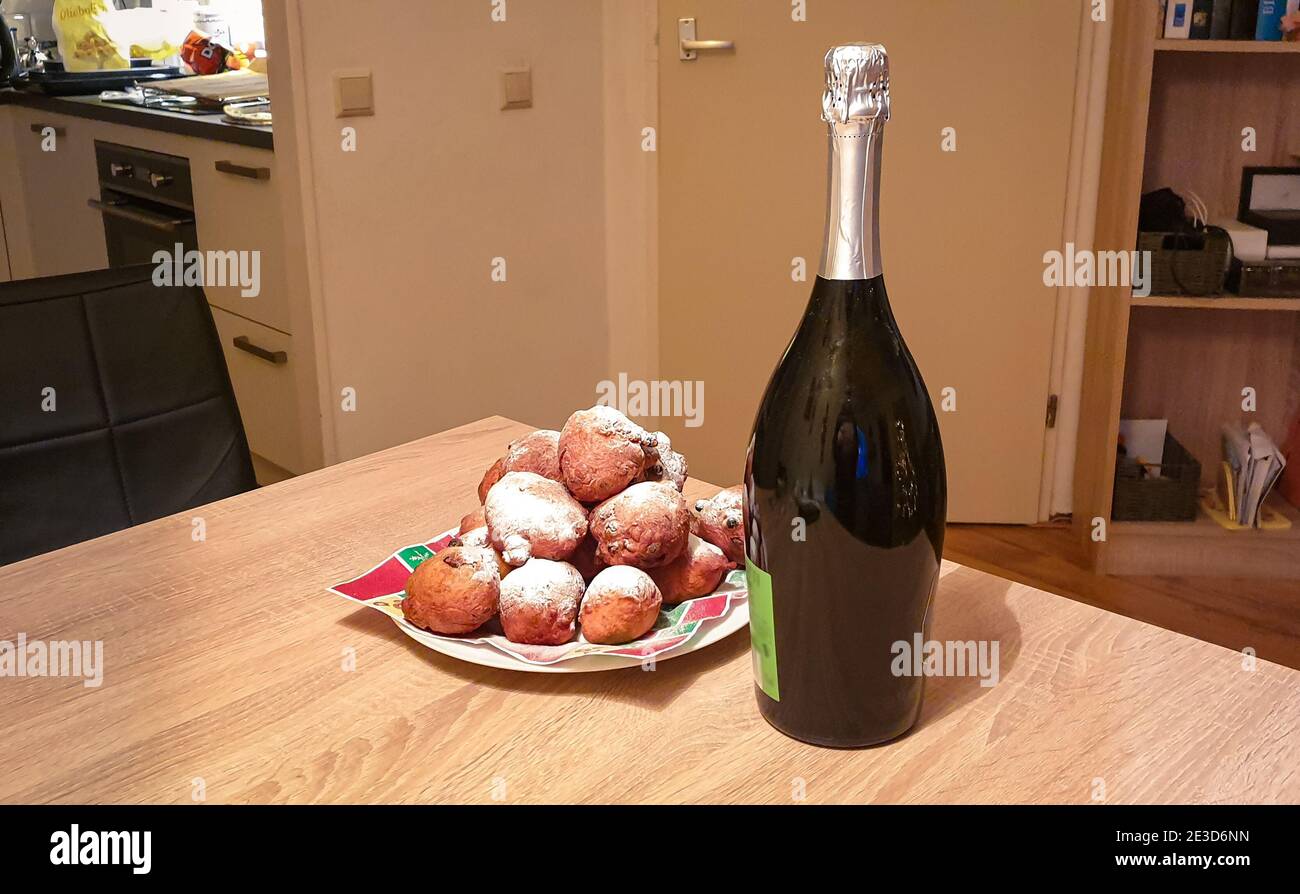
762 629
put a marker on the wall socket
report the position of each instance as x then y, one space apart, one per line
517 88
353 93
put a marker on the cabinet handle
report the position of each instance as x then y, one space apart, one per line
58 131
276 357
229 167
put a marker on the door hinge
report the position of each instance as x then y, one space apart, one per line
1051 410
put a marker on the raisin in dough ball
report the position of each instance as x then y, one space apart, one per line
646 526
454 591
696 572
601 452
663 463
539 602
621 604
538 452
528 515
720 522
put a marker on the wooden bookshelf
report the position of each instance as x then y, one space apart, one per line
1226 46
1226 302
1205 548
1174 115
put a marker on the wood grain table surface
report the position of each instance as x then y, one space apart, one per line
225 676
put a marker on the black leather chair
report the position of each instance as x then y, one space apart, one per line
115 408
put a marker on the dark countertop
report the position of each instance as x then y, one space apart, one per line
208 127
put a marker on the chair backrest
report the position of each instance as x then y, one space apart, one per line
115 408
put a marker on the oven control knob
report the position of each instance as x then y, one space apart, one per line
120 170
157 180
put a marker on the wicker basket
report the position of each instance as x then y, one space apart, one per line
1171 497
1188 263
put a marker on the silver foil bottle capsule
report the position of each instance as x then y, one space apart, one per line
855 108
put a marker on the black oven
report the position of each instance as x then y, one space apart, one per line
147 201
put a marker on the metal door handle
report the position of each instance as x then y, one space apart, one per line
688 46
253 173
276 357
140 216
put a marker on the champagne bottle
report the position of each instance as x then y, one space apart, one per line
845 490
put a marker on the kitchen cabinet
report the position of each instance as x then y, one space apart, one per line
236 207
262 368
51 230
55 159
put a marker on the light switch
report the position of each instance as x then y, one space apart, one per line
353 94
517 89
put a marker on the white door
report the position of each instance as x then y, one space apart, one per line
741 153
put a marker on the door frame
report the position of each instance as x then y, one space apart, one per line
630 60
1056 493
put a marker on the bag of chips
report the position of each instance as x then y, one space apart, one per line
93 35
84 42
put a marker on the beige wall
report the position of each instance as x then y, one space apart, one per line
404 230
399 236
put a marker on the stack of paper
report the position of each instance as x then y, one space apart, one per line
1252 463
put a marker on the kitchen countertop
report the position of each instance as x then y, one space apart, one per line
224 660
210 127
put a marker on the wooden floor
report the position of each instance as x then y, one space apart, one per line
1236 613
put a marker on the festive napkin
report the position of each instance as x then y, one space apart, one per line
383 588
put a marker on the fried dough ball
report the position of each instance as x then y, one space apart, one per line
645 525
471 520
601 452
720 521
528 515
474 537
539 602
620 605
696 572
584 559
479 537
454 591
538 452
491 477
663 463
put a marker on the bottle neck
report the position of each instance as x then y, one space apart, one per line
851 249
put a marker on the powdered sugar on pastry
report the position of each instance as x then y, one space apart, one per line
663 463
620 605
602 452
537 452
528 515
539 602
645 525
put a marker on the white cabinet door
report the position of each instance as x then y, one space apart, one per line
56 163
261 363
236 208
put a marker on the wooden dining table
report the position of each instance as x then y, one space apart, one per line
231 675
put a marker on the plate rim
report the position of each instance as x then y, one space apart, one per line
477 653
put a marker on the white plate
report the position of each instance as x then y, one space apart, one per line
736 618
